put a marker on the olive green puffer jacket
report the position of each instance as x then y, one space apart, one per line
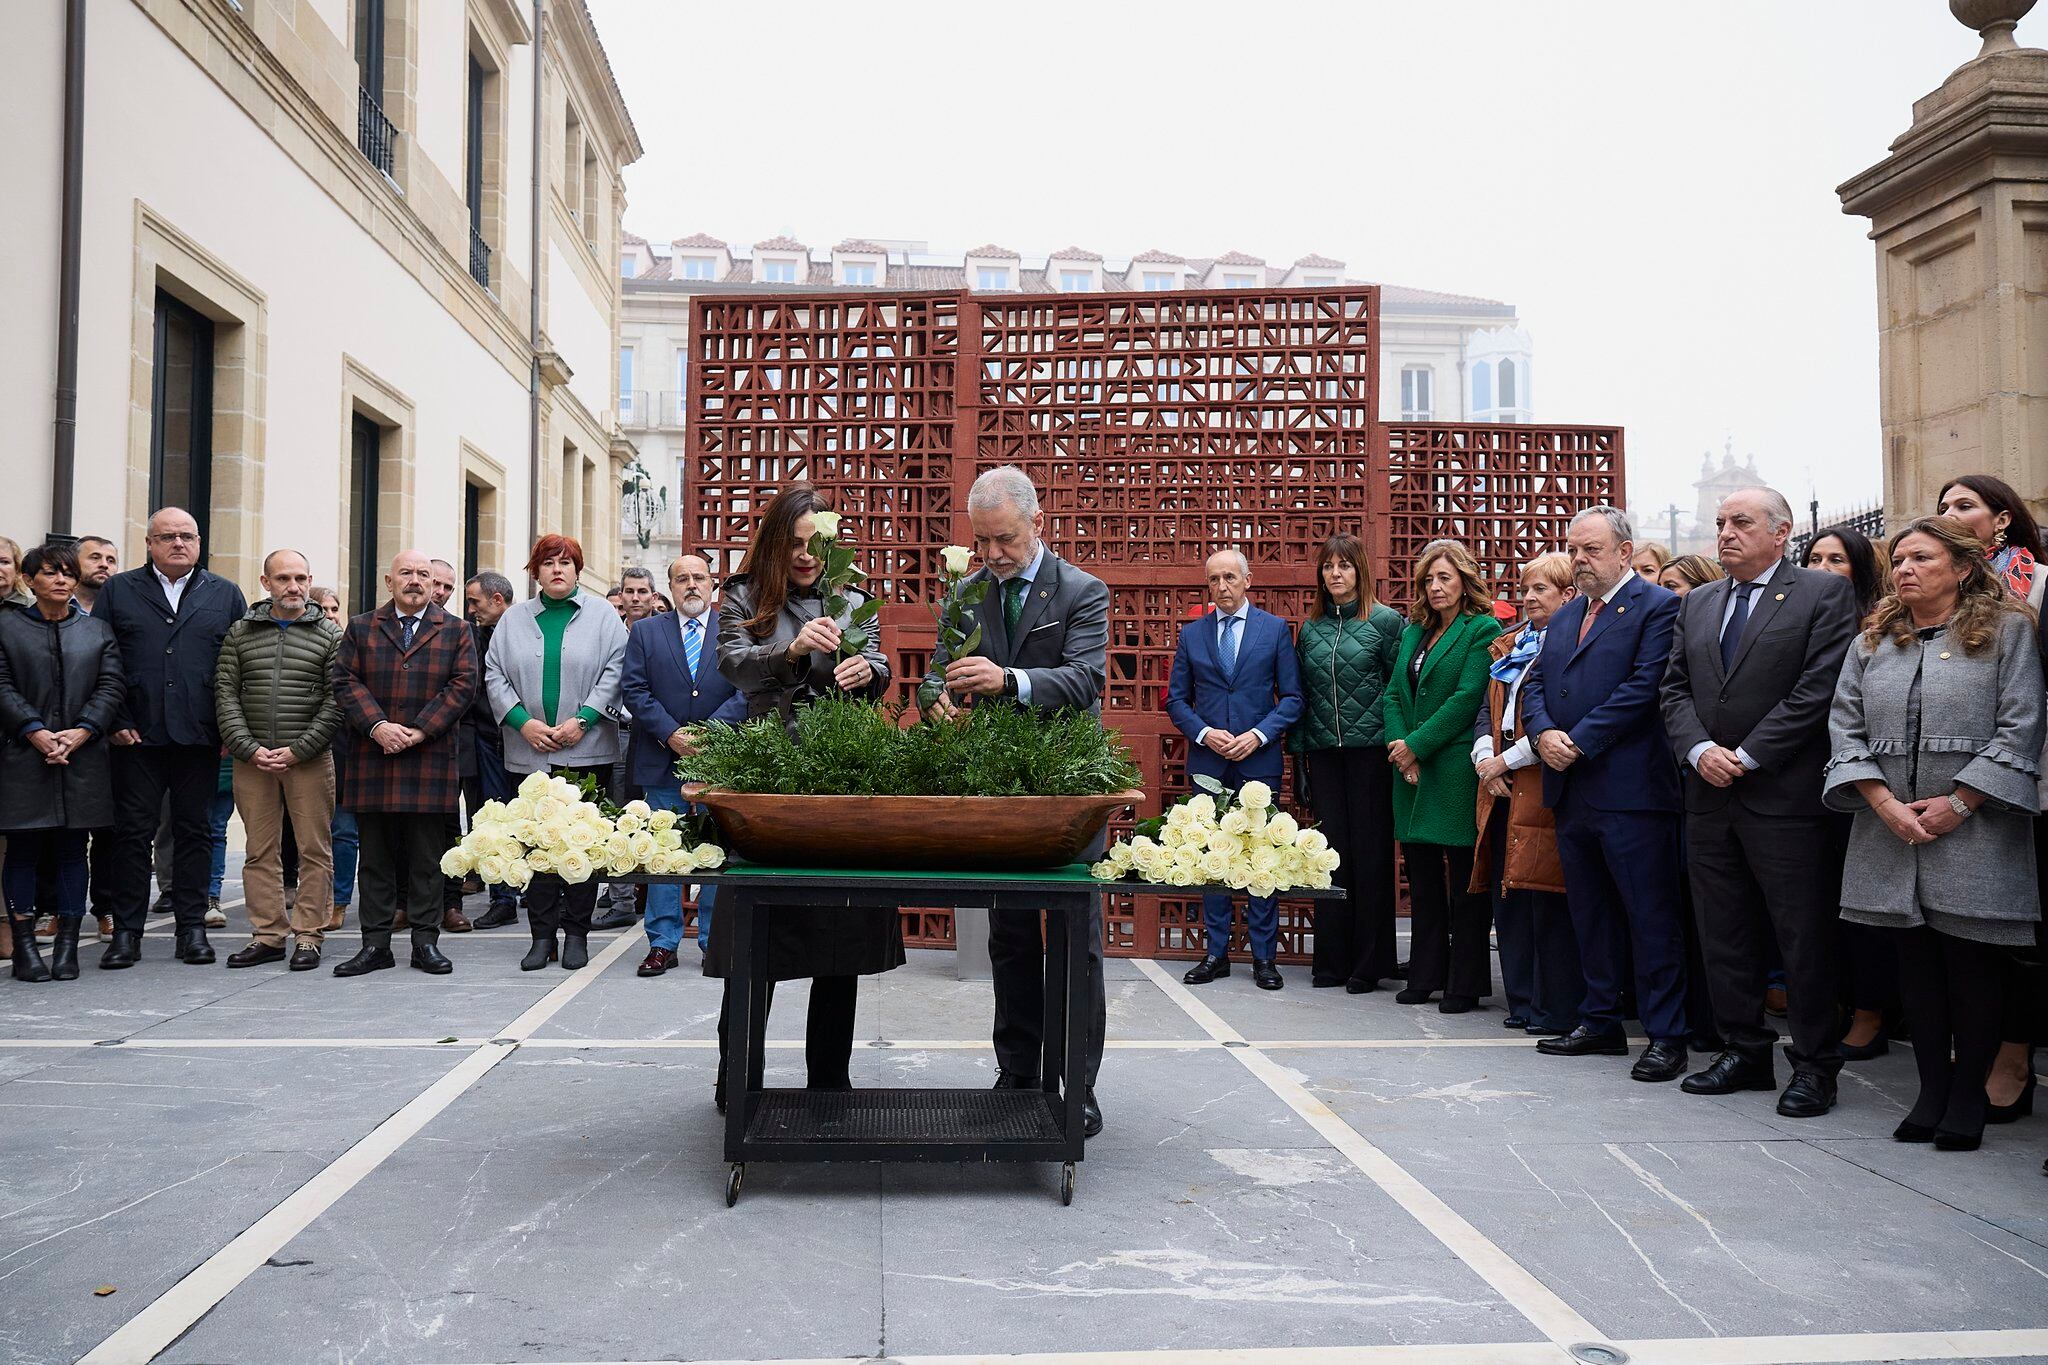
1345 664
274 686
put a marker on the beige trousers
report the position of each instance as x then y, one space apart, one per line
303 792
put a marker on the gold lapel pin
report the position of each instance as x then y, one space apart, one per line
1781 597
1619 610
1944 654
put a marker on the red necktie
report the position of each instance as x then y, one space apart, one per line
1593 606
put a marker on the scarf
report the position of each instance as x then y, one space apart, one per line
2015 563
1511 665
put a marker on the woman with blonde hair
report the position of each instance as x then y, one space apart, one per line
1936 735
1650 560
1440 673
1687 572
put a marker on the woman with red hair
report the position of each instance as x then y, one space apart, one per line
552 677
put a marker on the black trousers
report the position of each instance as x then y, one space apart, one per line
144 774
2026 971
1539 952
1951 990
1352 792
1759 880
828 1033
1447 947
394 851
1016 952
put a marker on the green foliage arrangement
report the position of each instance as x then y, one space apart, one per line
858 748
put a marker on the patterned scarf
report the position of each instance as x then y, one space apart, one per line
2015 563
1510 666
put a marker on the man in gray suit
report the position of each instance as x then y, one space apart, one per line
1044 638
1745 700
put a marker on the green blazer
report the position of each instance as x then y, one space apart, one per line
1436 721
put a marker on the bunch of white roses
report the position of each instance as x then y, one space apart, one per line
1213 839
550 827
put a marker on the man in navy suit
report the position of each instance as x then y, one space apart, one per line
1235 688
1592 702
671 684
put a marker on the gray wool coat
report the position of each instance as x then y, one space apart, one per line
1980 726
593 656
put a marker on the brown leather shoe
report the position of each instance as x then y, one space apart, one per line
455 922
659 960
334 920
48 928
400 922
106 927
256 954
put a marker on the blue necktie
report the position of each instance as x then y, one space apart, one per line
1731 634
1227 651
406 626
693 644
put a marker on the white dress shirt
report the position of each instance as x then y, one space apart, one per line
1030 575
1692 755
1243 617
174 593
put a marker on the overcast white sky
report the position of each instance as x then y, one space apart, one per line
1651 183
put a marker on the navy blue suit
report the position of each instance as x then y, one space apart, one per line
1618 804
657 687
1262 692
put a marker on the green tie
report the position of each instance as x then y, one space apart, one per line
1013 606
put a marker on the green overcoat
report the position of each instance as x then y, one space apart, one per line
1436 722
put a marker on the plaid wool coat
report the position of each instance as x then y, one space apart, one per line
428 687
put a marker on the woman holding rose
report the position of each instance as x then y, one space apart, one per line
779 647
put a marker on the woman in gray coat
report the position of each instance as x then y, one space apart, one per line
1936 735
61 682
552 677
777 647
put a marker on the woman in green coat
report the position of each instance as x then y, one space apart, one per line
1439 683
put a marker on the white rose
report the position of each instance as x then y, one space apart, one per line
458 861
662 821
540 861
1265 863
1255 795
1282 828
1234 822
1238 877
534 787
1214 865
1229 844
491 869
1311 841
668 840
1325 860
518 874
489 813
1104 871
629 823
643 846
1121 856
957 558
709 856
519 809
573 867
617 846
620 866
581 836
1259 888
546 808
826 524
1202 807
639 810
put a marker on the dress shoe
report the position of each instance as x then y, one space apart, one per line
1707 1044
453 921
1266 975
1091 1115
575 952
373 956
1774 1001
1909 1131
426 954
256 954
1545 1031
334 920
305 958
622 915
162 905
216 918
106 927
1361 985
47 930
1586 1042
399 921
1322 983
496 917
1457 1004
1863 1052
124 951
1945 1141
658 960
1663 1060
1414 995
1810 1096
64 953
1514 1021
1207 970
1014 1080
472 885
1729 1072
1400 972
540 954
2020 1108
193 948
28 958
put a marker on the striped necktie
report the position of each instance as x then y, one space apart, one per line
693 644
1227 651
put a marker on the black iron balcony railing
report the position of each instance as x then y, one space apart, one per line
374 133
479 259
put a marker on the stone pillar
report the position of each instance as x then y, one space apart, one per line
1959 212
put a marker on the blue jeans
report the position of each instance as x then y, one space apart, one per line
223 807
343 835
665 903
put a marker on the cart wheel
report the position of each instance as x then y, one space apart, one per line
732 1183
1067 1185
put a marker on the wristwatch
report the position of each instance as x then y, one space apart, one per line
1009 682
1959 806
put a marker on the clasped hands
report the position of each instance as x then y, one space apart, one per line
1719 766
1231 748
1919 822
821 635
57 746
1493 774
394 738
1557 751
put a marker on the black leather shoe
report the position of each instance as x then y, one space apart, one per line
305 958
1810 1096
124 949
539 955
371 957
1514 1021
1091 1115
256 954
2023 1107
618 917
427 956
1359 985
1730 1072
64 953
1456 1004
1545 1031
1266 975
1909 1131
1945 1141
1013 1080
193 948
1585 1042
1413 995
497 917
575 952
1863 1052
1207 970
1663 1060
1325 982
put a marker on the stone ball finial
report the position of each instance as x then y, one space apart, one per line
1994 19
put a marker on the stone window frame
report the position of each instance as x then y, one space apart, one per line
166 259
494 31
362 391
478 470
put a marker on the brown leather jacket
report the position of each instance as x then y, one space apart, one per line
1532 863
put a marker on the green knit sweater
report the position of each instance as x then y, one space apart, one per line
555 615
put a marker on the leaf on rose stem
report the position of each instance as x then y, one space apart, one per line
973 593
834 607
1208 784
867 611
971 643
852 642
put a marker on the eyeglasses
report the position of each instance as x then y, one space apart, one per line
178 537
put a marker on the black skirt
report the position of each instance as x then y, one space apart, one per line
807 941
